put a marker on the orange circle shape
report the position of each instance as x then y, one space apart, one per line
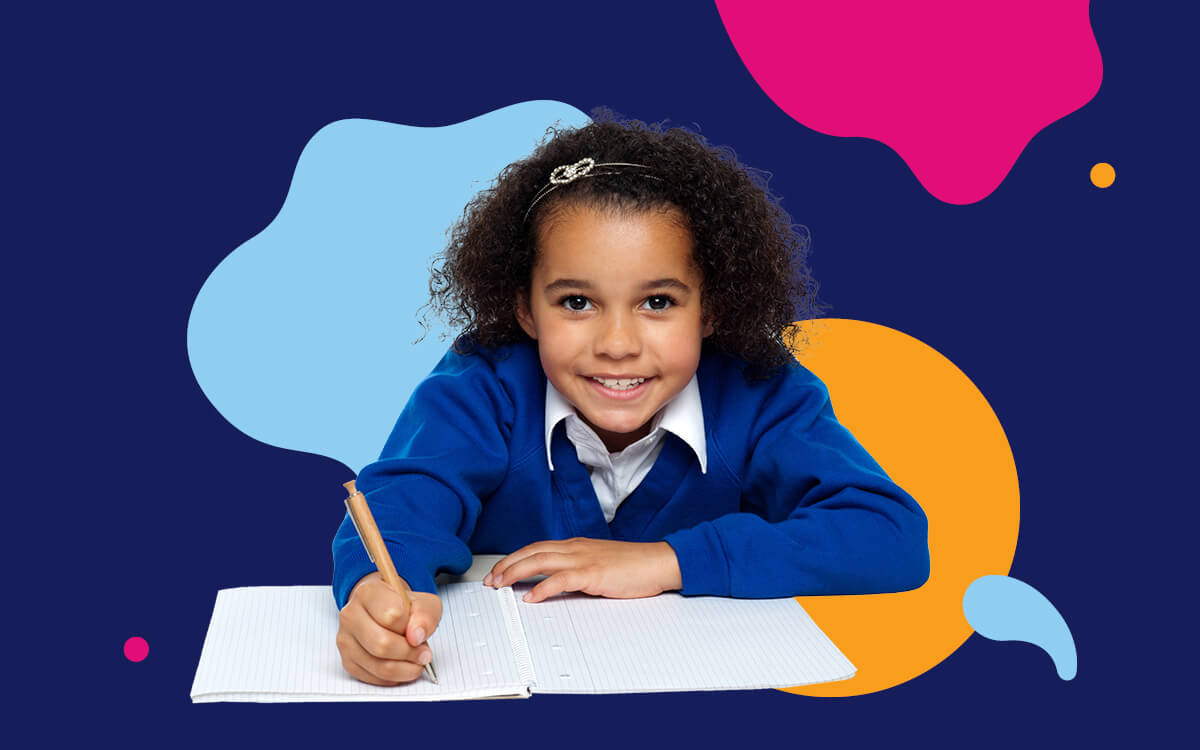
1102 175
935 435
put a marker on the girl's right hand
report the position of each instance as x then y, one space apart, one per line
381 635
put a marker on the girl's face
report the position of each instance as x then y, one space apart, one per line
614 305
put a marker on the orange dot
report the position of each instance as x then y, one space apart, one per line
934 433
1103 174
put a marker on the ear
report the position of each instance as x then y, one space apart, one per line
525 316
708 328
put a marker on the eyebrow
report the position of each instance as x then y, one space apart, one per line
667 283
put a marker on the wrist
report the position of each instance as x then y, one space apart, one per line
669 575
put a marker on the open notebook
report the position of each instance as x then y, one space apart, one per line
276 643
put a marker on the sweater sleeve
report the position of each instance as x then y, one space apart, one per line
819 515
447 452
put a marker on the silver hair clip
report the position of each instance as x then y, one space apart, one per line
568 173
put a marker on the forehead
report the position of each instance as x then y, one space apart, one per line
579 238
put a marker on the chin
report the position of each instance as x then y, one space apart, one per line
618 428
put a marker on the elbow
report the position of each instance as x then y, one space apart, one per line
913 572
895 556
910 568
892 560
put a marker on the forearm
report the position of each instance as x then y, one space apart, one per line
419 520
447 452
835 549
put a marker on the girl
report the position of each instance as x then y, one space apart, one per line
622 413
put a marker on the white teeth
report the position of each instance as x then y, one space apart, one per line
620 385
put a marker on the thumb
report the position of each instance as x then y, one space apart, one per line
424 617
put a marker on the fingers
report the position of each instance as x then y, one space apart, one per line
371 637
493 578
377 654
367 667
502 574
425 614
600 567
539 563
414 616
567 580
387 607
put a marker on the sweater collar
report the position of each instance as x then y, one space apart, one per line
683 416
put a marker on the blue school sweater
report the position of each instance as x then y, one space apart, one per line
790 505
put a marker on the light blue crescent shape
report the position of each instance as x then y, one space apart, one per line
303 336
1006 609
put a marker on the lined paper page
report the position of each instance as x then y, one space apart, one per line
276 644
583 644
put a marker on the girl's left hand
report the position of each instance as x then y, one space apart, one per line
601 567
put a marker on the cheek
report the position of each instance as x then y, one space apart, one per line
557 348
691 359
680 349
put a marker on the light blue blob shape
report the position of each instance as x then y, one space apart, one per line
302 336
1006 609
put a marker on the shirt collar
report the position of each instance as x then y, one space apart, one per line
683 416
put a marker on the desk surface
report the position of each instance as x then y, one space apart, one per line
480 567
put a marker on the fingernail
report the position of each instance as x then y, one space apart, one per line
419 633
424 658
527 597
487 580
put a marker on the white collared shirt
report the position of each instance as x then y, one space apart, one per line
616 475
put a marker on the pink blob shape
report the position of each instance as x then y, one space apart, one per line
957 89
136 648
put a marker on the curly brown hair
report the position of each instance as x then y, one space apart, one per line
756 281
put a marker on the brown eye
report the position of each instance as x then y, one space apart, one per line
659 302
575 303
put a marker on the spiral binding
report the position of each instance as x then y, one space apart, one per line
516 636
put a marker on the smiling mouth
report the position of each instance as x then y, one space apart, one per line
620 384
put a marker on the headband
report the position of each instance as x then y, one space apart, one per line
568 173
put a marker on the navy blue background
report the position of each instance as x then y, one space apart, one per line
144 145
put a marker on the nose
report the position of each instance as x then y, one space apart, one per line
618 336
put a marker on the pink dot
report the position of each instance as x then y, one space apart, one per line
136 648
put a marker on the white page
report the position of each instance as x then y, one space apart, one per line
276 644
584 644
